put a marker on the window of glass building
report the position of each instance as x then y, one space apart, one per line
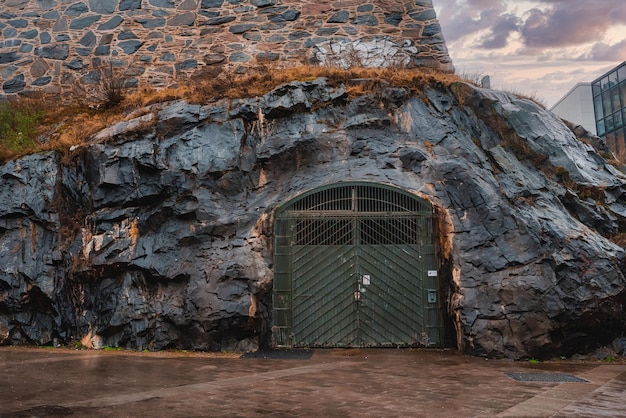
621 73
617 105
600 127
609 102
613 79
606 103
597 105
608 124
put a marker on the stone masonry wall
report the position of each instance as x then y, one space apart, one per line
53 45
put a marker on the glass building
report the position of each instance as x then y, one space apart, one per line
609 103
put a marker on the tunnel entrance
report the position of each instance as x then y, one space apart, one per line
356 266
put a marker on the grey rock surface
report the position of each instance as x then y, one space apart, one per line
159 234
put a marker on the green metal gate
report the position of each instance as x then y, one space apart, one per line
355 265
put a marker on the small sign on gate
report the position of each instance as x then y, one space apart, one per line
366 280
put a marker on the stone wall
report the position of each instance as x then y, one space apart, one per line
55 45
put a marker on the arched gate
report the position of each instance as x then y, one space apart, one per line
356 266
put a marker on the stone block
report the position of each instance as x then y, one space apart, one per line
185 19
168 4
263 3
339 17
267 56
151 23
367 20
187 64
255 37
103 7
393 19
52 15
75 64
10 33
103 50
106 39
239 57
130 47
188 5
288 16
211 4
45 38
54 52
8 57
89 39
220 20
60 25
112 23
214 58
423 16
14 85
240 28
432 30
298 35
84 52
18 23
84 22
29 34
130 5
17 3
76 9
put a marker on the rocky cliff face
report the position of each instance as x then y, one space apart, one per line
160 233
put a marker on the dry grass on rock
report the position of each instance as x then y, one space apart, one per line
65 125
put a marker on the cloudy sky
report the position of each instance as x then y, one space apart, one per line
540 48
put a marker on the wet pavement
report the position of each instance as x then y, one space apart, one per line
328 383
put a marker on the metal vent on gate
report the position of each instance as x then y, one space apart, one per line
356 265
545 377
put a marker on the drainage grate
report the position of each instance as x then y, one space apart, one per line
545 377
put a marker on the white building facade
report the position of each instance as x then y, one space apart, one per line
600 107
577 107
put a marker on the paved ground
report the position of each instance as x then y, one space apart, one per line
331 383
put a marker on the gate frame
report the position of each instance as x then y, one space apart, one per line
282 298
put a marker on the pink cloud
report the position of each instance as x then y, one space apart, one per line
568 23
603 52
551 24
